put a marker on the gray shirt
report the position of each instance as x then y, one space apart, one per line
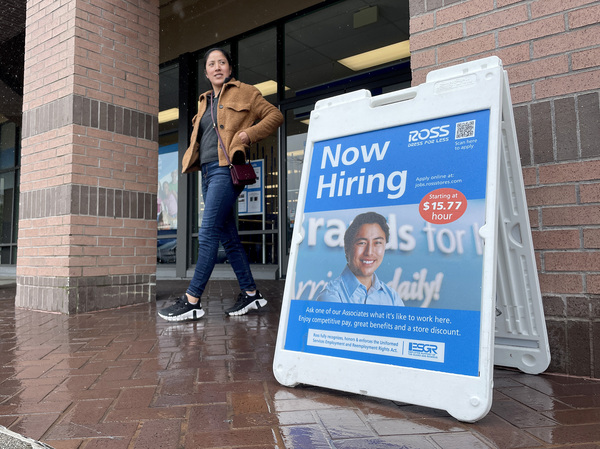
209 143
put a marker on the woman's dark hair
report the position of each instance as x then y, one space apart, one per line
359 220
222 50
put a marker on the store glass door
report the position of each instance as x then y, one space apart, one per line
295 127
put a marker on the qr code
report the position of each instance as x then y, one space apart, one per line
464 130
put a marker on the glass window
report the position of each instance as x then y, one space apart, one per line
317 45
168 173
8 143
16 216
296 121
316 48
7 193
258 205
258 62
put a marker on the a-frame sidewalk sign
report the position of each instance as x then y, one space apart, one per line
412 269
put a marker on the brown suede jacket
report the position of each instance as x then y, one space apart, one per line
241 108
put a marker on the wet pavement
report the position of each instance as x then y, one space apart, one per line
125 379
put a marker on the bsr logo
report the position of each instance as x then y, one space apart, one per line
431 133
422 347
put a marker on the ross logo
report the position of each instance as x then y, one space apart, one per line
429 133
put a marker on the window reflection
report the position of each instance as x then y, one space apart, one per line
258 208
8 143
297 126
168 172
315 43
9 191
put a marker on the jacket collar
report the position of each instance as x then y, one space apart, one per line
228 85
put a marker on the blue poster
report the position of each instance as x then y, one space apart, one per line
251 200
393 216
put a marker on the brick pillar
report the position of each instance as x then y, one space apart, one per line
87 215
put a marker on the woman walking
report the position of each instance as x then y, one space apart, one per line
236 114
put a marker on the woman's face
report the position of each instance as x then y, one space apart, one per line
217 69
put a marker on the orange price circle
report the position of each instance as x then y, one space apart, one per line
443 206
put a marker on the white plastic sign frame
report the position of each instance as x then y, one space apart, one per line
521 338
439 163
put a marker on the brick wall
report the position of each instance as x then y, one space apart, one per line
87 216
551 51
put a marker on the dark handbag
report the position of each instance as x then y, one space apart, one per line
241 174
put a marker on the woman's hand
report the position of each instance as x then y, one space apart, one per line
244 138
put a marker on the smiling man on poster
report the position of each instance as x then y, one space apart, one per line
364 247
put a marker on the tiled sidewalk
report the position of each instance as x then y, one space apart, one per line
125 379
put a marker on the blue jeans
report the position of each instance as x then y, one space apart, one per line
219 225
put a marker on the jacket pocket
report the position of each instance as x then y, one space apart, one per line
236 116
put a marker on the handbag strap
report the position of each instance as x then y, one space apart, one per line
217 130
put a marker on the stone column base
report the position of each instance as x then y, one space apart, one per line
80 295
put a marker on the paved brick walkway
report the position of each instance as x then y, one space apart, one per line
125 379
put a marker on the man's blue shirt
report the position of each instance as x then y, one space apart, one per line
347 288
